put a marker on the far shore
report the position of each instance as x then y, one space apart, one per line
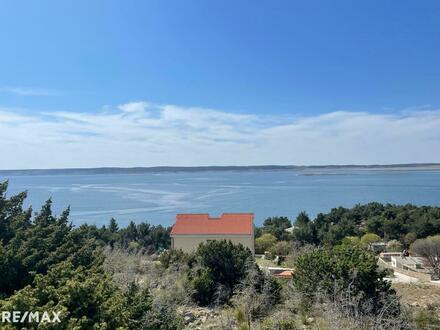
306 169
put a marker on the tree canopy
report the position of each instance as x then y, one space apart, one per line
264 243
430 249
277 227
402 222
48 265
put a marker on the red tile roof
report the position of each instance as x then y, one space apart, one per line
203 224
284 274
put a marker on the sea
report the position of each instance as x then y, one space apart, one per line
157 197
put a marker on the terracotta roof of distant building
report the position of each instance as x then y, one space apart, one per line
284 274
203 224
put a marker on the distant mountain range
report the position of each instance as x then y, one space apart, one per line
158 169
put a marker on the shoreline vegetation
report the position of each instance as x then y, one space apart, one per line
161 169
128 278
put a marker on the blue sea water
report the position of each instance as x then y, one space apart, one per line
157 197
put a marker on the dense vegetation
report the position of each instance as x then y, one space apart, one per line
110 278
47 265
216 268
404 223
143 236
276 226
430 249
344 266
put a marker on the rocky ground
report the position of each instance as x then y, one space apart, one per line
201 318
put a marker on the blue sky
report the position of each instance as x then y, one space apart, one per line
241 69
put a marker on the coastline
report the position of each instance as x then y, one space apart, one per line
161 169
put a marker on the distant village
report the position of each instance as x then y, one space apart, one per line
190 230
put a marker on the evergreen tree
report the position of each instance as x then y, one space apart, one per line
113 226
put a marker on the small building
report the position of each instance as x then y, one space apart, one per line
280 272
409 263
386 256
284 275
192 229
377 247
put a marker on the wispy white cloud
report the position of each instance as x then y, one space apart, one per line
144 134
133 107
29 91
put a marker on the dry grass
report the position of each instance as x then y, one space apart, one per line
419 294
168 287
265 263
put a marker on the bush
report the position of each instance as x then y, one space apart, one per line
342 267
220 265
305 229
351 240
204 286
88 299
268 255
409 239
264 243
394 246
388 272
282 248
161 318
173 257
369 238
256 294
283 324
430 249
277 227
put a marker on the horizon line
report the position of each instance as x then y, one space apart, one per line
219 167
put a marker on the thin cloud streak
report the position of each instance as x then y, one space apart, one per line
29 91
144 134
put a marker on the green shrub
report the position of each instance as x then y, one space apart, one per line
239 316
351 240
220 264
409 239
173 257
204 286
282 248
430 249
264 243
339 268
277 227
394 246
369 238
279 324
161 318
268 255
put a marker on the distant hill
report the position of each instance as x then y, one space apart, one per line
158 169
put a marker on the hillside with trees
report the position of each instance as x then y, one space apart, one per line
404 223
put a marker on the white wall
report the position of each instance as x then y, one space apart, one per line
189 243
